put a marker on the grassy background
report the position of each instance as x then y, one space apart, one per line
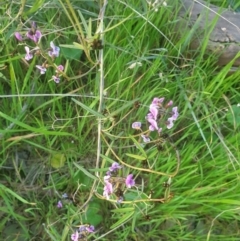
61 138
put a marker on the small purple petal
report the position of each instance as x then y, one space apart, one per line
170 103
28 55
106 178
60 68
34 37
42 69
59 204
136 125
129 181
64 195
145 138
108 189
170 123
18 36
56 79
54 52
115 166
175 113
75 236
108 173
159 130
90 229
153 124
154 111
120 199
158 101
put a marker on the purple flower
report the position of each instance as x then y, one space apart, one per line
86 228
120 199
169 104
159 130
54 52
60 68
129 181
18 36
34 36
108 189
136 125
145 138
175 113
28 55
75 236
154 111
64 195
56 79
90 229
59 204
158 101
170 122
42 69
153 123
115 166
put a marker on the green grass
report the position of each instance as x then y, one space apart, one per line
62 138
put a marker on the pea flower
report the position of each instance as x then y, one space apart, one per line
115 166
75 236
83 230
170 123
18 36
152 121
175 113
28 55
59 204
33 33
136 125
42 69
108 188
90 229
145 138
54 52
64 195
129 181
56 77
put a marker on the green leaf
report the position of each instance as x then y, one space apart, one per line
71 53
33 129
5 189
128 104
92 215
35 7
233 116
140 148
78 46
97 114
85 171
122 220
140 158
123 210
58 160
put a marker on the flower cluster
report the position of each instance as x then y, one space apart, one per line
53 52
157 112
82 231
32 34
59 203
111 180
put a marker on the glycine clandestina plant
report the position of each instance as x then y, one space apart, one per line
48 55
136 202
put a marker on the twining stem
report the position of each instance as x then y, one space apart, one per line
149 170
